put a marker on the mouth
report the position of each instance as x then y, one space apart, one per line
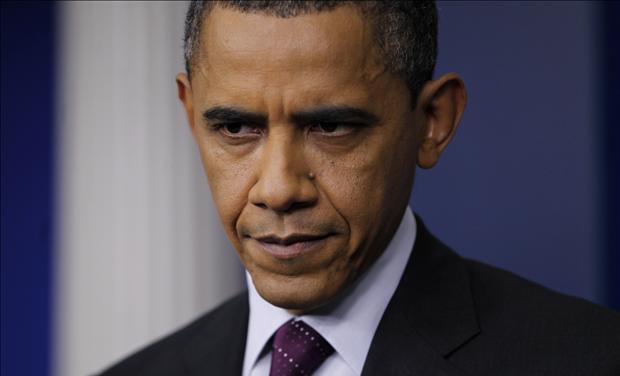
290 246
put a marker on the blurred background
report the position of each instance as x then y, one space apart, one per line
109 237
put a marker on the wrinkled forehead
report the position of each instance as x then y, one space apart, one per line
338 38
334 47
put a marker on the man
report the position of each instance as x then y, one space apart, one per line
310 118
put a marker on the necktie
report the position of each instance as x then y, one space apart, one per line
298 350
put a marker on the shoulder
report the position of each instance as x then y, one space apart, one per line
500 295
166 356
535 324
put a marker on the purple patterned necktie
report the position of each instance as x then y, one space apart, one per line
298 350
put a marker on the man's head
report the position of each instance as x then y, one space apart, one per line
309 137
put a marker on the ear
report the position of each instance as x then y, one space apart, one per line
442 103
184 91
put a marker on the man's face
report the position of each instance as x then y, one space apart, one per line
309 146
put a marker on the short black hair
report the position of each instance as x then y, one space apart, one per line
405 31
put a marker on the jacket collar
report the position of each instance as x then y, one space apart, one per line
430 316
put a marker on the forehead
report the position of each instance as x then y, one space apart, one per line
315 52
316 35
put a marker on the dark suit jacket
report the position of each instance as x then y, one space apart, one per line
449 316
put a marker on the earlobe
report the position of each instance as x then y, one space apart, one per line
442 103
428 154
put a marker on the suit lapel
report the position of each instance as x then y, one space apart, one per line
219 347
430 315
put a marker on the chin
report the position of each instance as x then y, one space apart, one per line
299 294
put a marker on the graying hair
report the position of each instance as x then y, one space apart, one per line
405 31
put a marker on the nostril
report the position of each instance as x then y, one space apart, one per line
282 189
301 205
261 205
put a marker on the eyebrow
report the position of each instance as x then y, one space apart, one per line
322 114
233 115
334 114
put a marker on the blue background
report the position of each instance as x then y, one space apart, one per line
530 183
27 162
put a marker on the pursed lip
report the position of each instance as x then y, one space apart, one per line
289 246
289 239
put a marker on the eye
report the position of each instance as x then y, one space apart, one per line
332 129
328 127
233 128
237 129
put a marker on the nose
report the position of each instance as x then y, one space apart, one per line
283 182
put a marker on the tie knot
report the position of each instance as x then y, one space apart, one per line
298 349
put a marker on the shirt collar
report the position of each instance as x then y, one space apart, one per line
351 325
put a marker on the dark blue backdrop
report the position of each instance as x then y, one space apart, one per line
528 182
27 75
609 78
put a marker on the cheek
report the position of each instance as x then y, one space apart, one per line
229 181
355 187
370 184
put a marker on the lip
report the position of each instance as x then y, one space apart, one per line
291 246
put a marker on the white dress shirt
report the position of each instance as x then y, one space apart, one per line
350 326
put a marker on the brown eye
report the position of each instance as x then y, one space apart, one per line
237 129
328 127
233 128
